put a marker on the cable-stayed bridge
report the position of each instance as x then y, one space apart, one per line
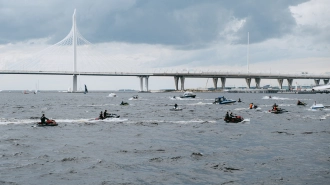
74 55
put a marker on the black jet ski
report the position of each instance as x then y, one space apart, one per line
234 119
301 103
124 103
112 116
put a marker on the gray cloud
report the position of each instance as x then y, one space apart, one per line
186 23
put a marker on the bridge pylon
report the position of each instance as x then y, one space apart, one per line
290 80
280 83
215 82
248 82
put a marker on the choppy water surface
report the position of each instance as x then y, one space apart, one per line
149 144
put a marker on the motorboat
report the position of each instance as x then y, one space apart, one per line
112 95
223 100
317 106
233 119
49 122
188 94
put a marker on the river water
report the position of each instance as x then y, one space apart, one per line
149 144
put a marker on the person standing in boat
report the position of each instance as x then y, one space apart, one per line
43 119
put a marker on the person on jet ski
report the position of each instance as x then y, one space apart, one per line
175 106
231 115
105 114
275 107
101 115
43 119
251 105
239 100
227 116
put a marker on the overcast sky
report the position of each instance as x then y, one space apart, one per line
285 37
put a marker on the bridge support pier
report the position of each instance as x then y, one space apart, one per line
146 78
182 83
223 82
248 82
176 82
215 82
74 88
326 81
146 83
290 80
280 83
317 81
141 83
257 83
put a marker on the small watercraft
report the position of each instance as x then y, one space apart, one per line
135 97
301 103
175 109
317 106
112 116
188 94
233 119
278 111
112 95
124 103
49 122
108 117
223 100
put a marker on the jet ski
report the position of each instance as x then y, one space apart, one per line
301 103
49 122
278 111
175 109
233 119
112 116
124 103
109 116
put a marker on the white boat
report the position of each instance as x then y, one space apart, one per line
188 94
317 106
112 95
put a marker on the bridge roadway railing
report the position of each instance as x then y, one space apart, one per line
185 74
180 76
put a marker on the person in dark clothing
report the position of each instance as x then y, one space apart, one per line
227 116
105 114
101 115
43 119
231 115
175 106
